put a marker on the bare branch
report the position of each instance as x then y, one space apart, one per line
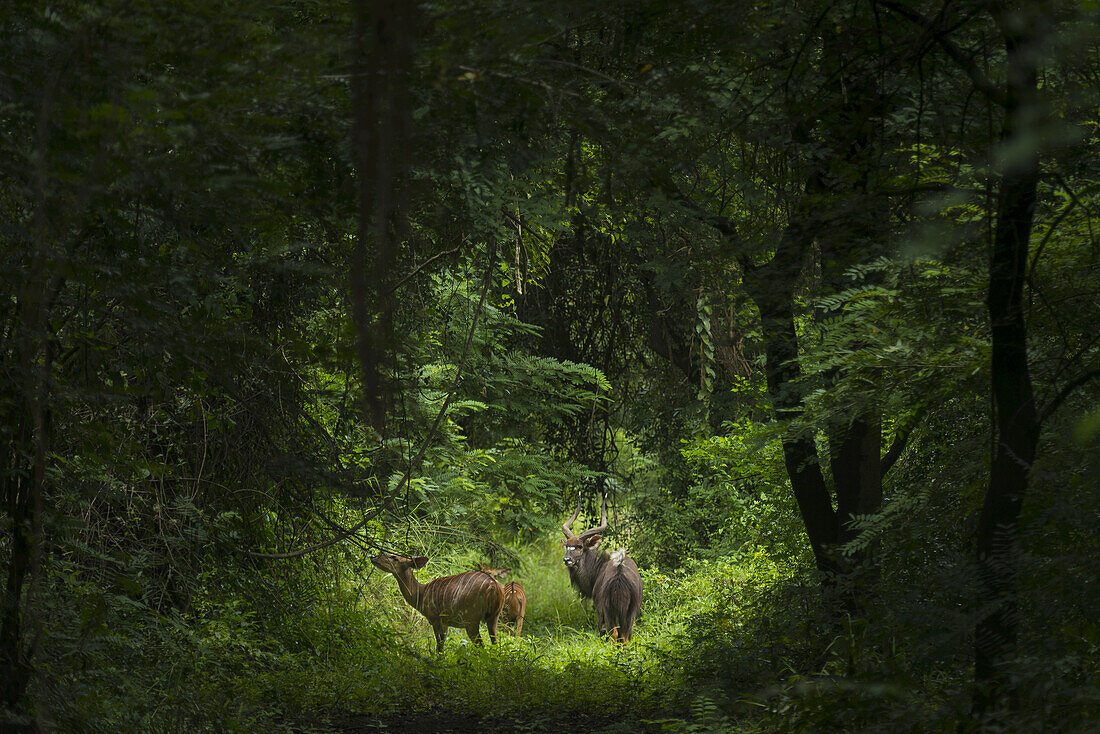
421 266
1066 391
324 543
933 27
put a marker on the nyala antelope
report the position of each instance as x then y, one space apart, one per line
515 598
610 580
464 600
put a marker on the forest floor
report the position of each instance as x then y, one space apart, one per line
443 722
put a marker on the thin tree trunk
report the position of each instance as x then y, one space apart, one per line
14 670
23 472
384 34
21 481
772 289
1016 418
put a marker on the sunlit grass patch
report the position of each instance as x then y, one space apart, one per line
385 663
560 664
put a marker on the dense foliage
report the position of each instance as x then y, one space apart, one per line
808 290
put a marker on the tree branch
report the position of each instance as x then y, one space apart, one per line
931 27
1066 391
421 266
724 225
901 440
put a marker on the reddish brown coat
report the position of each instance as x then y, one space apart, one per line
515 598
464 600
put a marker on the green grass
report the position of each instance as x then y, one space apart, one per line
560 665
740 644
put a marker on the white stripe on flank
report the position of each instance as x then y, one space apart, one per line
460 599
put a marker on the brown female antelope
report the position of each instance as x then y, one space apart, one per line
464 600
515 598
612 581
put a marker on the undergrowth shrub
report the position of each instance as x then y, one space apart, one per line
109 663
745 642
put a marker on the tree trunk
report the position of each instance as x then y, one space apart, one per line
384 34
772 289
22 476
857 474
14 668
1016 418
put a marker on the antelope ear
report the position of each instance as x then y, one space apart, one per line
594 541
419 561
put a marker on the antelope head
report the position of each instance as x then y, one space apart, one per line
578 546
397 565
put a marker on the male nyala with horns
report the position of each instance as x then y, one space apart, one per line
611 581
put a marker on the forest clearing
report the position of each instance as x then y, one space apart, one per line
543 366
